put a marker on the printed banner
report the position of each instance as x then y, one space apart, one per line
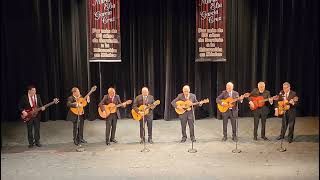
104 41
210 30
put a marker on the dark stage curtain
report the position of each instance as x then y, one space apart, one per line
44 43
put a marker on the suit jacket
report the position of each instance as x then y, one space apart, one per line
71 116
106 100
181 97
24 102
292 94
225 95
138 101
266 94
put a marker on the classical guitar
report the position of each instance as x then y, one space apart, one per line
229 103
83 102
284 105
259 101
183 106
33 112
144 109
111 108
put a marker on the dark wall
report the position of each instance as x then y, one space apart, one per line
44 43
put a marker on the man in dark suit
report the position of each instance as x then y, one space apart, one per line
188 115
260 112
289 117
231 113
28 101
111 120
145 99
77 129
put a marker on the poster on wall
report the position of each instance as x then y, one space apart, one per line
104 41
210 30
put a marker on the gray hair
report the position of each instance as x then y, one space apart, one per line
286 84
230 83
186 87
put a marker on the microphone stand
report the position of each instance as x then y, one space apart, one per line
192 150
282 149
145 149
79 146
236 150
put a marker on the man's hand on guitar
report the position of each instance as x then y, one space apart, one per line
276 112
24 113
224 104
180 108
43 108
124 104
88 99
291 101
251 104
79 105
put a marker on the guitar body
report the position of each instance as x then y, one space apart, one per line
144 108
183 106
136 116
111 108
104 114
32 113
230 104
79 110
258 102
283 106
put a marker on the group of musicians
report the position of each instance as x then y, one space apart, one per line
32 100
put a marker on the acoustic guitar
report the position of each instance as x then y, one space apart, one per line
284 105
230 102
259 101
144 109
83 102
183 106
33 112
111 108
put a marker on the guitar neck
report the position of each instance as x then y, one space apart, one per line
49 104
89 93
196 103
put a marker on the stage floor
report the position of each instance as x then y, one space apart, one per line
167 159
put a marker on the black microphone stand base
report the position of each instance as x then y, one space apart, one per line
281 149
192 150
236 151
